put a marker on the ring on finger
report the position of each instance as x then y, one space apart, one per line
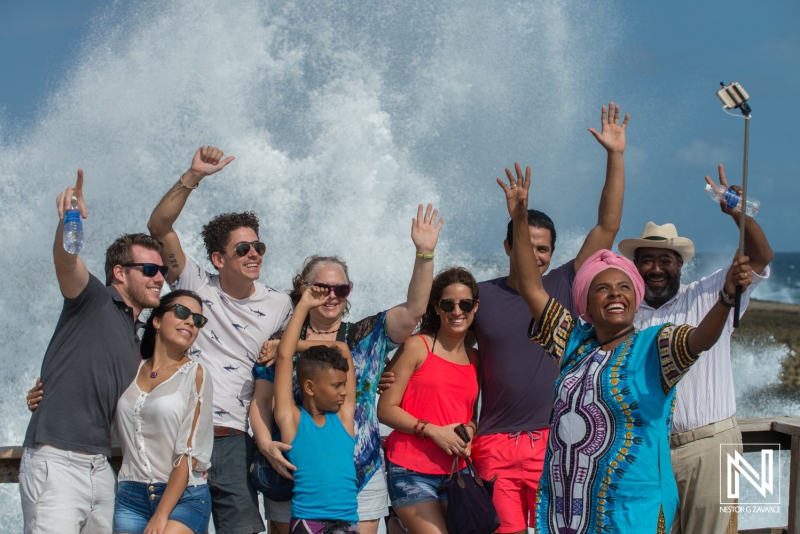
29 402
513 186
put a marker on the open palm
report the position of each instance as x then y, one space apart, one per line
517 189
612 135
425 229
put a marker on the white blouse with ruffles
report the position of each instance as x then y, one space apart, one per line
154 428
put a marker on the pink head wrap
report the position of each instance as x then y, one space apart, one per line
597 263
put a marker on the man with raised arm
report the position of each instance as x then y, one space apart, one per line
517 376
65 481
704 425
242 313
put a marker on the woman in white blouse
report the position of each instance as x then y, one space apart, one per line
164 426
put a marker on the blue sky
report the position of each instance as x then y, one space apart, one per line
664 60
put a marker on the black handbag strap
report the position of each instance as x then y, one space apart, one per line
470 467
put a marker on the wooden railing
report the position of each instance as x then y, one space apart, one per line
778 431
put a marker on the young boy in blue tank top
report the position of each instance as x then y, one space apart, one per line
321 432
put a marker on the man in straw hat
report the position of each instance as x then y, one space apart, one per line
704 423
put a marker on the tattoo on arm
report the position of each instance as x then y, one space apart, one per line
173 262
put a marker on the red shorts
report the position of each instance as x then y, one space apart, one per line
517 460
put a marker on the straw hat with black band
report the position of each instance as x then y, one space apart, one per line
655 236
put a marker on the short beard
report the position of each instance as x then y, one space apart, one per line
143 297
657 300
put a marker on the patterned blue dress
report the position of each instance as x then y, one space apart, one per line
369 343
608 468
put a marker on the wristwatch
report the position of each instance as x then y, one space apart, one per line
726 299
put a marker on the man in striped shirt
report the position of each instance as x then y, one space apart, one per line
704 423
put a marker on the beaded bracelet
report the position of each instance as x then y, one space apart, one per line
419 429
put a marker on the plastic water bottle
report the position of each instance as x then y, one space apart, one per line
719 193
73 229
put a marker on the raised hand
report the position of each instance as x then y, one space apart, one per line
517 189
64 199
724 183
208 160
425 229
314 297
612 135
739 274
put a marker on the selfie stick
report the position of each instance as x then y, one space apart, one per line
734 96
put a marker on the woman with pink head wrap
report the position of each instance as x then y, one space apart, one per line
594 265
607 467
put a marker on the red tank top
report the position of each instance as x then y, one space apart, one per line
443 393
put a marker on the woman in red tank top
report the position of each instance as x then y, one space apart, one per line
435 390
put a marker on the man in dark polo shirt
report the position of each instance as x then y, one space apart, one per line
517 376
66 483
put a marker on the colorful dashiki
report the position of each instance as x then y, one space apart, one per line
608 468
369 343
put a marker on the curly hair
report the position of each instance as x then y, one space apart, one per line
319 358
119 252
217 233
431 322
310 267
148 343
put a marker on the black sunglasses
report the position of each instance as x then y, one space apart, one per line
183 313
340 290
243 248
150 269
448 305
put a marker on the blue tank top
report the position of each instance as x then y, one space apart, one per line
325 485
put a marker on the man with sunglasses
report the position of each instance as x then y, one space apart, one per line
517 376
66 483
242 314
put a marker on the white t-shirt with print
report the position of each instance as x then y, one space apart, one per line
228 345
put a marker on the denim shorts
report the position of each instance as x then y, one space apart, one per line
137 502
407 487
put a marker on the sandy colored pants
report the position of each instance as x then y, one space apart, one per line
66 492
696 465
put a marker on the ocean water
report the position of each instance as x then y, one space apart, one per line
342 119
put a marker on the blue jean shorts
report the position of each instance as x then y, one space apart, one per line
137 502
407 487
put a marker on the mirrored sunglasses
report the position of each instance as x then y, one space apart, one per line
340 290
150 269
